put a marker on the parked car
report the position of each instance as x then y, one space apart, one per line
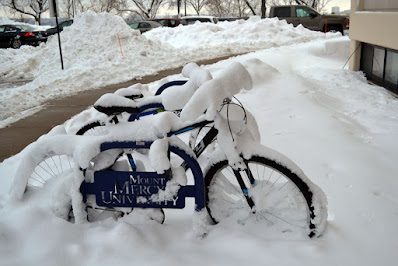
310 18
62 25
144 26
192 19
170 22
15 35
227 19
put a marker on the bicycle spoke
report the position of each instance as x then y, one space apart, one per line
277 200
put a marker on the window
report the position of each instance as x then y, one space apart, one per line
392 67
2 28
144 25
66 24
134 25
381 5
282 12
378 62
380 66
11 29
302 12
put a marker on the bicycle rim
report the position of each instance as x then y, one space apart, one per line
49 168
282 201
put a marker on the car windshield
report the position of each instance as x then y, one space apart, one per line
191 21
134 25
156 24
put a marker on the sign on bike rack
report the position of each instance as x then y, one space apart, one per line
134 189
139 189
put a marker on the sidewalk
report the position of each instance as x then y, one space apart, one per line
18 135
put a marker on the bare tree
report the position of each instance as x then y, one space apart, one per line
34 8
146 8
107 5
238 8
263 8
252 9
197 5
315 4
282 2
67 7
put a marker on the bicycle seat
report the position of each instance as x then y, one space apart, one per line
130 93
113 104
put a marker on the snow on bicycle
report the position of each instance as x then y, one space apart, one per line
141 162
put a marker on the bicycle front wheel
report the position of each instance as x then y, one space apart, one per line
267 192
96 128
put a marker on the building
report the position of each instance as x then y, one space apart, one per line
374 41
336 10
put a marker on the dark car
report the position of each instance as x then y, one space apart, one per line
192 19
62 25
144 26
227 19
16 35
170 22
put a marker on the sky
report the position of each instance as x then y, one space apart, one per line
343 4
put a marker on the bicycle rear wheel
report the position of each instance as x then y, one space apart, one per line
271 194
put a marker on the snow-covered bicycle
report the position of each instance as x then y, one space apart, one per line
145 165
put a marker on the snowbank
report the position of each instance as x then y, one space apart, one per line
4 20
236 36
91 51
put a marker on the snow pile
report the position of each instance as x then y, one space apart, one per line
91 51
4 20
236 36
340 130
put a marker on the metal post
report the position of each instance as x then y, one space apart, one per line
59 37
73 8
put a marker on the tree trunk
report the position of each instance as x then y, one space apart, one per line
251 8
263 8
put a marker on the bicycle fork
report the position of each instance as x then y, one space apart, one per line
243 186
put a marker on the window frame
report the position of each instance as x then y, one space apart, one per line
366 65
276 11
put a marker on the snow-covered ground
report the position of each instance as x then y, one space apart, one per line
341 131
91 50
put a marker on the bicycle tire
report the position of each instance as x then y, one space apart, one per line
96 128
51 174
225 199
48 168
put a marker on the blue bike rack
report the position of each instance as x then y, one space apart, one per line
134 189
169 84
